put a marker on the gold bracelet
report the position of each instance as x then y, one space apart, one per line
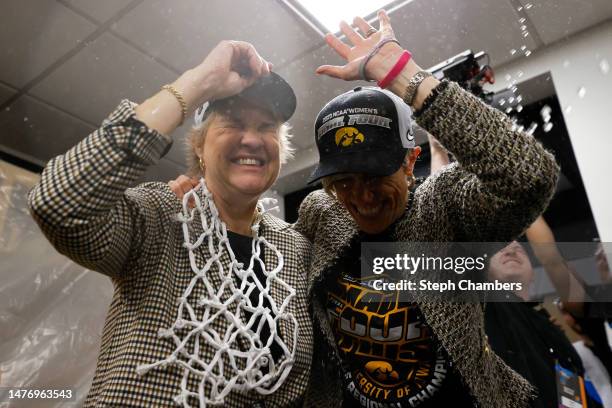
180 100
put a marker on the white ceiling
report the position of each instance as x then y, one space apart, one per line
65 64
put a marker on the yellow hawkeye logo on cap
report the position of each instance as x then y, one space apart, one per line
347 136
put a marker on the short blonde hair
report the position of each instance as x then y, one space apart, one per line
197 136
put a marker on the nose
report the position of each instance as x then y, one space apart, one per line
513 249
364 193
251 139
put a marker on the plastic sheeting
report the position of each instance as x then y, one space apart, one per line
52 310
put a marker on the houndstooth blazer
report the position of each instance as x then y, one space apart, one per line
502 181
86 208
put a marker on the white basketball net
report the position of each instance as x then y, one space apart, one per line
251 369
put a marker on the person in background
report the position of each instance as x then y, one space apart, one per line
589 305
596 372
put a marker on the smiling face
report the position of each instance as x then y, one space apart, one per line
511 264
241 152
375 202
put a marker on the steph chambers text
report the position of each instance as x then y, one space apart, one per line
462 285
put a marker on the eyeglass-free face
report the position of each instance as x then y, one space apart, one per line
374 202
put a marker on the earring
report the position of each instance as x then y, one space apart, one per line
202 166
411 181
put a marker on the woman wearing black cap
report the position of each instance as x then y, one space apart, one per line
209 304
376 352
428 353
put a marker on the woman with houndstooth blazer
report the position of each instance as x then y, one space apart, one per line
210 293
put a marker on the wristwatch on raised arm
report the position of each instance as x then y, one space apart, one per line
413 86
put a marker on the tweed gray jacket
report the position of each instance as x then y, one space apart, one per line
502 181
85 207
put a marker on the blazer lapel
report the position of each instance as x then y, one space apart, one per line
335 232
278 291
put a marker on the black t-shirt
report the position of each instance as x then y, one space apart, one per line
390 356
242 247
530 343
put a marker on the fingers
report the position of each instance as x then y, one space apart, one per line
350 33
257 65
247 61
240 82
341 48
385 23
335 71
194 182
182 185
363 25
176 189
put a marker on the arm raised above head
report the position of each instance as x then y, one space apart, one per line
83 203
504 179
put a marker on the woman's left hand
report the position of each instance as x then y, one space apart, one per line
362 45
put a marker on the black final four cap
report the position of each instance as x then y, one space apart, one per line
366 130
270 92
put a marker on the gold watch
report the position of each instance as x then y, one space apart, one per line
413 86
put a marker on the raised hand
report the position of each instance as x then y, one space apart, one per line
230 67
362 45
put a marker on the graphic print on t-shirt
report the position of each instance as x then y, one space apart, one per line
391 357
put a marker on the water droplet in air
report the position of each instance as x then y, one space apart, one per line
502 102
25 119
525 34
568 109
519 98
522 20
566 64
523 27
523 47
508 77
519 74
528 6
509 109
581 92
8 109
604 66
545 113
527 53
511 99
532 128
519 108
520 8
547 127
512 51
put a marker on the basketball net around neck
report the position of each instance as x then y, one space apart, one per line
225 366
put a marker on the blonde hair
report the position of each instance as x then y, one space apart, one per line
197 136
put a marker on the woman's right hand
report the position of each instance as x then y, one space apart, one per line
227 70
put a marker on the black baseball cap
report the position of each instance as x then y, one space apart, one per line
270 92
366 130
